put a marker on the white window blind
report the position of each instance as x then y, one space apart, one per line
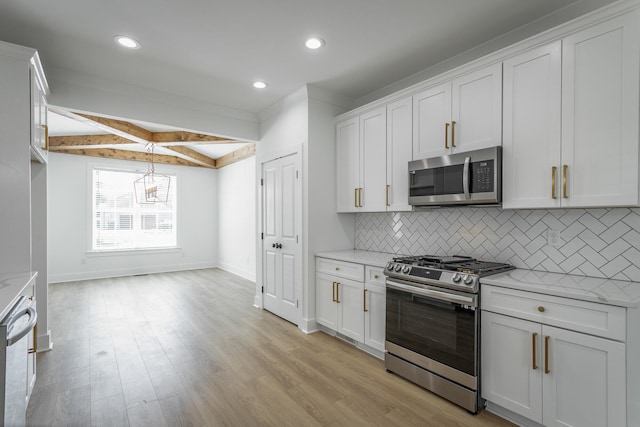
119 223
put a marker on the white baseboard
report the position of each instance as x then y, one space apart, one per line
44 342
143 269
238 271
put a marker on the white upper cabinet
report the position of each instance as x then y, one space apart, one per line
374 150
361 148
373 161
461 115
600 114
399 154
571 113
39 127
348 167
532 132
431 122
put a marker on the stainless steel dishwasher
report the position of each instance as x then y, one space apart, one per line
14 352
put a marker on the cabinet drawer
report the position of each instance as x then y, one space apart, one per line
592 318
347 270
374 275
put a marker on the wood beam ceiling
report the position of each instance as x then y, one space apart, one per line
122 140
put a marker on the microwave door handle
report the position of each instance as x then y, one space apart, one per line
465 178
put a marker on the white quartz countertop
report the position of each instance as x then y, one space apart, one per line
606 291
374 259
11 286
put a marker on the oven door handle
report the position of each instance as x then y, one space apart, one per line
442 296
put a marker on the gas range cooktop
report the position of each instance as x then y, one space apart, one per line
453 272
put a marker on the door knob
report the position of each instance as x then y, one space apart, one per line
273 246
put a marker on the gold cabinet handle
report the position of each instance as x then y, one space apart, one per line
541 309
35 340
446 135
564 181
546 355
46 137
375 276
364 296
338 292
453 134
355 197
553 182
388 195
359 197
333 290
534 337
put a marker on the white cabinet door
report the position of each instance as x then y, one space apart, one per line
584 383
326 307
600 110
374 315
373 152
399 154
431 121
348 164
476 119
350 299
39 129
510 352
532 128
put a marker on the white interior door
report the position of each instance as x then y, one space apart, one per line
281 245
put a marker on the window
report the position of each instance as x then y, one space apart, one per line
119 223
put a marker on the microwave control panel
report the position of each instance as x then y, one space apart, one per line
482 174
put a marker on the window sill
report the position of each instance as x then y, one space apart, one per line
133 252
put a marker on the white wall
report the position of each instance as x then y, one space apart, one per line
237 218
68 227
305 121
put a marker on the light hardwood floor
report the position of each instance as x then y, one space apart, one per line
189 349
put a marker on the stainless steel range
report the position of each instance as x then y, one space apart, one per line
433 323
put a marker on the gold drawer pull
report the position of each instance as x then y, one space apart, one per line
364 295
546 355
453 133
541 309
534 337
446 135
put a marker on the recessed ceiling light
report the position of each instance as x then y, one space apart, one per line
127 42
314 43
259 85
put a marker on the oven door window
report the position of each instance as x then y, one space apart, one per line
439 330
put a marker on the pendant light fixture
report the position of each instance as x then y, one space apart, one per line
152 187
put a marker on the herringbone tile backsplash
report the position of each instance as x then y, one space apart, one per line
592 242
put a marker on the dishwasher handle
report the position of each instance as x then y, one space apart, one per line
33 319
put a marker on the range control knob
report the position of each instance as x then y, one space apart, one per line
398 267
390 266
456 277
468 280
406 269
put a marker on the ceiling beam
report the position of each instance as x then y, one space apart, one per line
193 156
111 153
241 154
87 141
121 134
182 136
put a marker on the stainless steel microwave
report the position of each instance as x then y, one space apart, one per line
473 177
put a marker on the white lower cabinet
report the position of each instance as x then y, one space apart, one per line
350 307
551 375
